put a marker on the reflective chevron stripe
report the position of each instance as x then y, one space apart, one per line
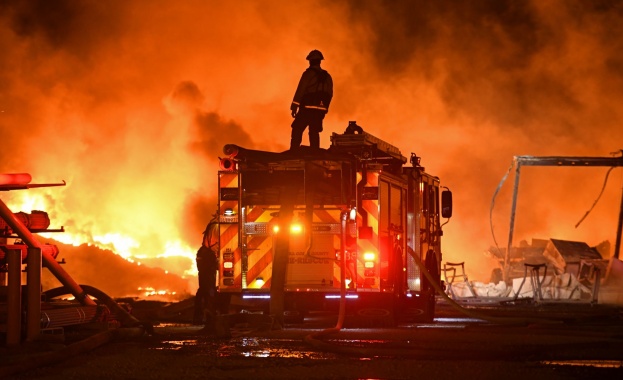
259 246
258 234
230 279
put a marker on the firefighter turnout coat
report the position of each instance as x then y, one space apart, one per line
315 89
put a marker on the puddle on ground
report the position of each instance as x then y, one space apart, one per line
585 363
174 345
247 347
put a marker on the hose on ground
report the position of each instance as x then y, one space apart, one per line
131 328
126 319
313 338
472 313
315 341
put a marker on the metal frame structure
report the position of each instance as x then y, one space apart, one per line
574 161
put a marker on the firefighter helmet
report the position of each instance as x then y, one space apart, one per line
314 55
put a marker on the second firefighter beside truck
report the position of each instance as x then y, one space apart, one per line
311 102
207 265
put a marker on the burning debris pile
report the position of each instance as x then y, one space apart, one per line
118 277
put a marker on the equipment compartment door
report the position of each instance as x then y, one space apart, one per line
313 270
392 246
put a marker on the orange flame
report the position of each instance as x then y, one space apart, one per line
136 117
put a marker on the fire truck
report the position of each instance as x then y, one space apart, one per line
304 224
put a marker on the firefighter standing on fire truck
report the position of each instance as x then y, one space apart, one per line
311 102
205 299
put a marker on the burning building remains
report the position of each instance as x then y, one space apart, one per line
576 270
546 269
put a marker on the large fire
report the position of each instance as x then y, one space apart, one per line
131 103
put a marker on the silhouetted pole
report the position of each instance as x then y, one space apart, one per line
507 257
617 247
33 290
14 297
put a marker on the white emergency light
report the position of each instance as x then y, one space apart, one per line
352 214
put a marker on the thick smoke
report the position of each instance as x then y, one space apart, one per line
209 133
131 102
469 85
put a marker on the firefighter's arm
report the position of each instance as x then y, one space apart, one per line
300 92
329 89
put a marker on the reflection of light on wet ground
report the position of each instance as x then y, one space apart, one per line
586 363
269 348
250 342
174 345
247 347
444 323
363 341
171 324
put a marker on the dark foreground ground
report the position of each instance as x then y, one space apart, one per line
578 343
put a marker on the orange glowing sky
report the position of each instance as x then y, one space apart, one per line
131 102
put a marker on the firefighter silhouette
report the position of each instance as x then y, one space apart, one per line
311 102
205 299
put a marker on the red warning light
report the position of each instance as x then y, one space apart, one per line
15 179
227 164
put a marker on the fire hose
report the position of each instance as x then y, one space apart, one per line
131 328
466 311
313 338
127 319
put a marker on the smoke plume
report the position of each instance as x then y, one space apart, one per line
131 102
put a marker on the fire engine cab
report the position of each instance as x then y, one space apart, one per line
284 220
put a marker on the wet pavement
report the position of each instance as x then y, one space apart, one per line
452 347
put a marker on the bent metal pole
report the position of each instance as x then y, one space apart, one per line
48 261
